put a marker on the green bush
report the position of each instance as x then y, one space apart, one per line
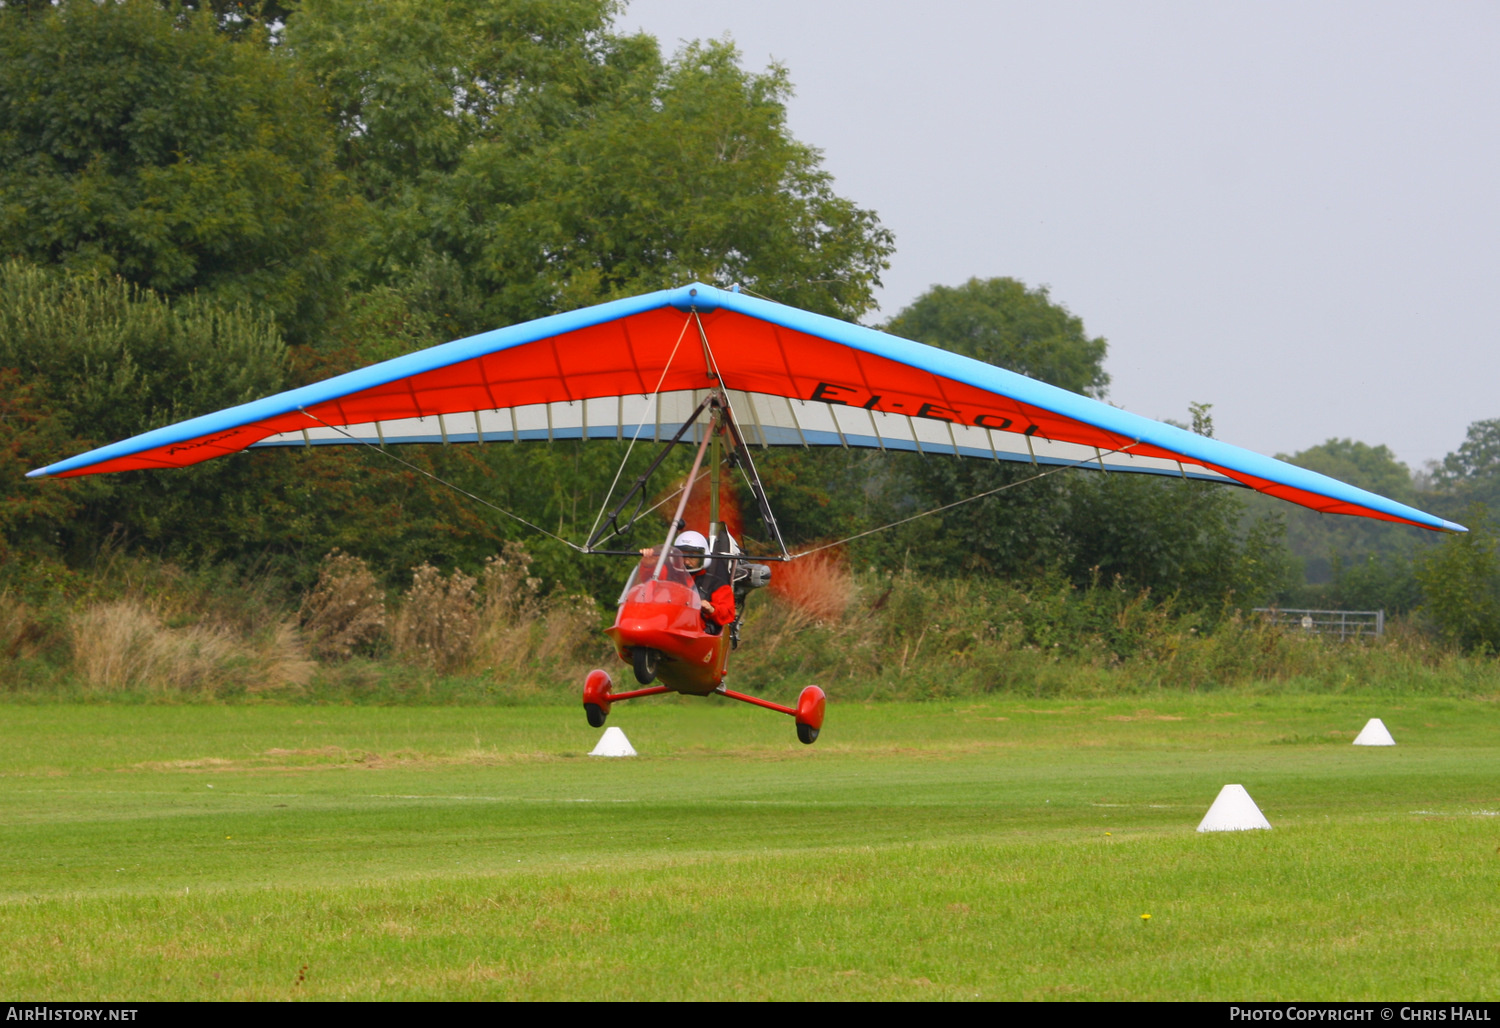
1461 580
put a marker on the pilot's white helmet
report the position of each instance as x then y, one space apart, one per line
693 547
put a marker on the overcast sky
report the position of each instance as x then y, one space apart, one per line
1287 210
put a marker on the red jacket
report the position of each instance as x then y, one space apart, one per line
720 609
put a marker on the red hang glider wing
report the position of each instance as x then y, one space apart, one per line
638 367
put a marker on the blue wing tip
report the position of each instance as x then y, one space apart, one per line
1450 526
38 473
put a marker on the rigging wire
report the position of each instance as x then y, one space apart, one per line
479 499
701 476
752 478
442 481
968 499
760 296
640 424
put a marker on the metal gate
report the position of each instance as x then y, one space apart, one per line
1346 624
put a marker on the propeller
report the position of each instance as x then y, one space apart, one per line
819 585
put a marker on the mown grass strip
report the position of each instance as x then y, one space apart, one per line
1001 850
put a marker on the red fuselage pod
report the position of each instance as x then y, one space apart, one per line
663 614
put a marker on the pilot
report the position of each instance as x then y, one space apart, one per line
713 586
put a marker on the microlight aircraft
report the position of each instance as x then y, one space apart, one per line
730 374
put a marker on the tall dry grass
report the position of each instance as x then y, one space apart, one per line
158 630
121 645
345 611
152 626
498 625
438 621
520 629
22 634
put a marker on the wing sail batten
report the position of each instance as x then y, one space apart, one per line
818 424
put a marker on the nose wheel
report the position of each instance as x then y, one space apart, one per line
644 660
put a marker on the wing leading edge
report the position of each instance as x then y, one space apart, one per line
639 366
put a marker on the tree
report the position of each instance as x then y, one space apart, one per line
1461 581
1477 457
693 176
85 361
522 156
520 159
1002 322
138 140
1379 582
1471 474
1333 547
186 171
413 86
31 434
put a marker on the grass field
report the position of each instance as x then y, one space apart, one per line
991 850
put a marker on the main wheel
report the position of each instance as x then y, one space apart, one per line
644 661
596 697
810 707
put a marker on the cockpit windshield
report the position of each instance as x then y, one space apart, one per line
673 569
673 572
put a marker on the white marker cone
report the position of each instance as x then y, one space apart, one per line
1233 811
1374 734
613 744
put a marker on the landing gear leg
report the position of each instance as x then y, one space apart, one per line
808 711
